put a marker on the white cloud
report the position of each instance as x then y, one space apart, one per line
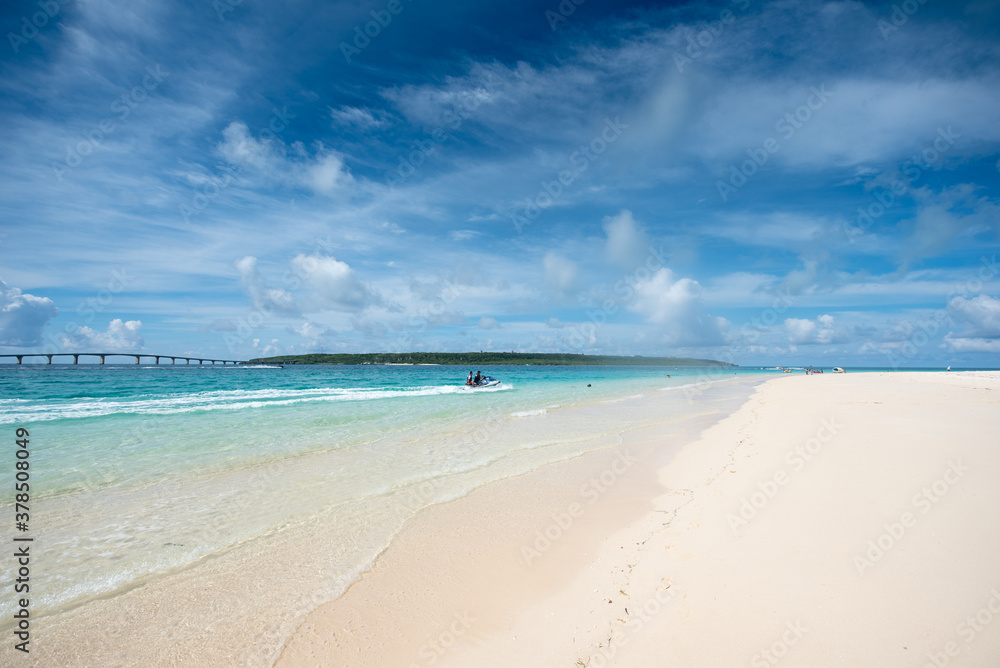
363 119
777 229
266 349
972 345
315 334
822 330
119 336
488 323
272 160
327 174
982 315
335 284
393 228
23 317
946 217
265 299
243 149
676 305
560 274
627 245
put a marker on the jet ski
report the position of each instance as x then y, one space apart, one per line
486 381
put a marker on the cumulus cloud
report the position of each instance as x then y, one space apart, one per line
327 174
265 349
334 283
270 158
23 317
265 299
315 334
241 148
676 305
118 337
822 330
560 274
627 244
981 315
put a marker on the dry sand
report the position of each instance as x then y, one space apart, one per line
834 520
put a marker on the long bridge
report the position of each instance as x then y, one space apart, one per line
136 356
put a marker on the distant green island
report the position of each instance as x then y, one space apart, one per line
486 359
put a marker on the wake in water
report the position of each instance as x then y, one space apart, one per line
27 411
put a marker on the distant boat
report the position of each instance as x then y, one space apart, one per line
837 369
949 368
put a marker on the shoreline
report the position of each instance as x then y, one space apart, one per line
742 534
238 606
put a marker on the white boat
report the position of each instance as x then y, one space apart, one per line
484 381
837 369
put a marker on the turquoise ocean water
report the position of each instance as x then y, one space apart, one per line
140 472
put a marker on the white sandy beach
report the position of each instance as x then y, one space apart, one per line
835 520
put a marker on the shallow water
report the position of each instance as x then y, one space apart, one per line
140 472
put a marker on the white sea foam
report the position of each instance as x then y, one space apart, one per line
698 384
537 411
225 400
619 399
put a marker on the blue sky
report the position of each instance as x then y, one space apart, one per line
760 182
